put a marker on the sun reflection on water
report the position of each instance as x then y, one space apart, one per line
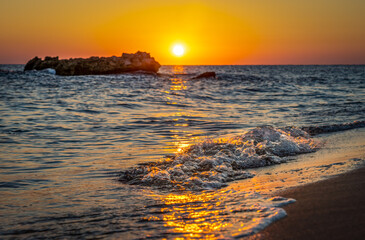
182 134
188 214
195 216
218 214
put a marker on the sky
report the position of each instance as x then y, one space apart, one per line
213 32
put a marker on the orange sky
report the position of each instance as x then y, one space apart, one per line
213 31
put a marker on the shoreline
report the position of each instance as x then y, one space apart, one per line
333 208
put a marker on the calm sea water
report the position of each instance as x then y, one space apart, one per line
64 141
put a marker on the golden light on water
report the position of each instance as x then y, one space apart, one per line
182 135
193 214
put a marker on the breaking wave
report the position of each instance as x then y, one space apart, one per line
212 163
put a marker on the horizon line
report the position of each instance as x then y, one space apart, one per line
281 64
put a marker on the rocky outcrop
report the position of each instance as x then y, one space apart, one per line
128 62
205 75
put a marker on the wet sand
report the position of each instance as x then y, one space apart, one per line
328 209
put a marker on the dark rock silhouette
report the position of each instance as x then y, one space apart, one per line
205 75
128 62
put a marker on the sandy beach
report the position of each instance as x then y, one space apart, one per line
328 209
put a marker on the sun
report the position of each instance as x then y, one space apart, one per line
178 50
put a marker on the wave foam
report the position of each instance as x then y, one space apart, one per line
214 162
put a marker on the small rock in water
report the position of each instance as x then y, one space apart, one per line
205 75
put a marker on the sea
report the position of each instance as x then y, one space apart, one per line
167 155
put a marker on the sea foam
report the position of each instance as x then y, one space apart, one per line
212 163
